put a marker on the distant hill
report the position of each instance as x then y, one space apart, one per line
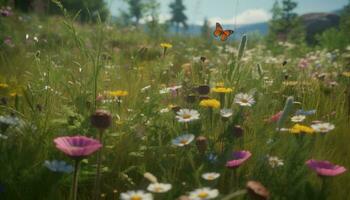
260 28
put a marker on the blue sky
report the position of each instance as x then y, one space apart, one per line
234 11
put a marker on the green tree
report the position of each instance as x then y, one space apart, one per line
206 31
23 5
285 23
136 10
345 19
337 38
178 16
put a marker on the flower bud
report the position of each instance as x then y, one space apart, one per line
257 191
202 144
203 89
238 131
101 119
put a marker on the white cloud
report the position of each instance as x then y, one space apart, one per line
247 17
162 18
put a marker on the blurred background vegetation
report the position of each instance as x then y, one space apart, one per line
325 30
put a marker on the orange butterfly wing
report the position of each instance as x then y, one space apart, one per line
225 34
218 30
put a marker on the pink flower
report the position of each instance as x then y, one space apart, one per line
239 158
77 146
303 63
325 168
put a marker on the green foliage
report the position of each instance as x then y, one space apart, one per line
333 39
206 30
178 15
89 10
337 38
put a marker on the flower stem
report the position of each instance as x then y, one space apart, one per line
98 169
74 191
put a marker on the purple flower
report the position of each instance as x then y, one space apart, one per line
325 168
5 11
8 42
77 146
239 158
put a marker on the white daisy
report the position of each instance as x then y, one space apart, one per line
203 194
210 176
244 99
183 140
298 118
226 113
274 161
186 115
159 187
323 127
136 195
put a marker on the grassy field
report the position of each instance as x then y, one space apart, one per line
55 73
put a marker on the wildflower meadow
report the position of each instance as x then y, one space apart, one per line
100 111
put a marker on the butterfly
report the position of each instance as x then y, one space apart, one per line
220 32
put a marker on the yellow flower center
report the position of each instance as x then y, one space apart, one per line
244 101
186 116
210 177
158 189
203 195
183 141
136 197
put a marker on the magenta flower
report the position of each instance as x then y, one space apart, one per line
325 168
77 146
239 158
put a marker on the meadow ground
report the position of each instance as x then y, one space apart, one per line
54 74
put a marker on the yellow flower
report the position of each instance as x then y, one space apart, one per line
221 90
346 74
210 103
166 45
118 93
13 94
3 86
297 129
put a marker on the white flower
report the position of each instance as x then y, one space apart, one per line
187 115
323 127
150 177
159 187
183 140
136 195
203 194
164 91
244 99
274 161
210 176
164 110
4 137
175 87
145 88
226 113
298 118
